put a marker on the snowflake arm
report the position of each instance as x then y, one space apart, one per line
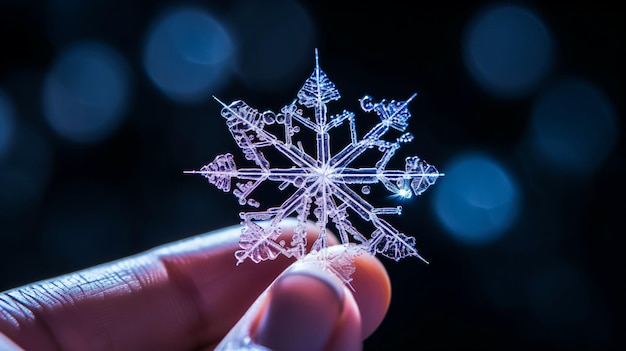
322 182
259 244
247 127
392 114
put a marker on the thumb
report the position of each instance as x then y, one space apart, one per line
309 309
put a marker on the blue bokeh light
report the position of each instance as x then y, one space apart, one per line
7 123
477 200
508 50
187 54
574 126
86 92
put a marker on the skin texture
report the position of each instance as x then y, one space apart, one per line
188 294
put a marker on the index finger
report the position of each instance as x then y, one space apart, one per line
173 297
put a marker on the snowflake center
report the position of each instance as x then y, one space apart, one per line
322 182
325 174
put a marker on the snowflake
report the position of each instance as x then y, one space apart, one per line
322 181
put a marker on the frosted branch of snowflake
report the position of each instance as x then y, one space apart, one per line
321 184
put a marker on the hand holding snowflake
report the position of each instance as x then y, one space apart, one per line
321 183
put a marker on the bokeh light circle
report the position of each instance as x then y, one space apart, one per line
477 200
574 126
508 50
86 92
187 53
7 123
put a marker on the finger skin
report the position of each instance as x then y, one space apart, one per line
347 335
311 309
183 296
301 313
177 297
8 345
372 291
364 306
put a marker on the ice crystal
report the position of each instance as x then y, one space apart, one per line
321 183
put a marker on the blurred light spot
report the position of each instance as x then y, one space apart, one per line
24 171
276 41
187 53
85 224
574 126
508 50
7 123
86 92
477 200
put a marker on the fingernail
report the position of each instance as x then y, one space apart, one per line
303 308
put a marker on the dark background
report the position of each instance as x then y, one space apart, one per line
552 275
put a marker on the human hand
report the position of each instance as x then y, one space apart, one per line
187 295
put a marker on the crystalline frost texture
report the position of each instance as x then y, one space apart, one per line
319 183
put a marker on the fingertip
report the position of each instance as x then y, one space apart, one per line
311 309
301 312
347 335
372 291
222 289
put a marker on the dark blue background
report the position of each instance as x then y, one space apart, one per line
551 278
